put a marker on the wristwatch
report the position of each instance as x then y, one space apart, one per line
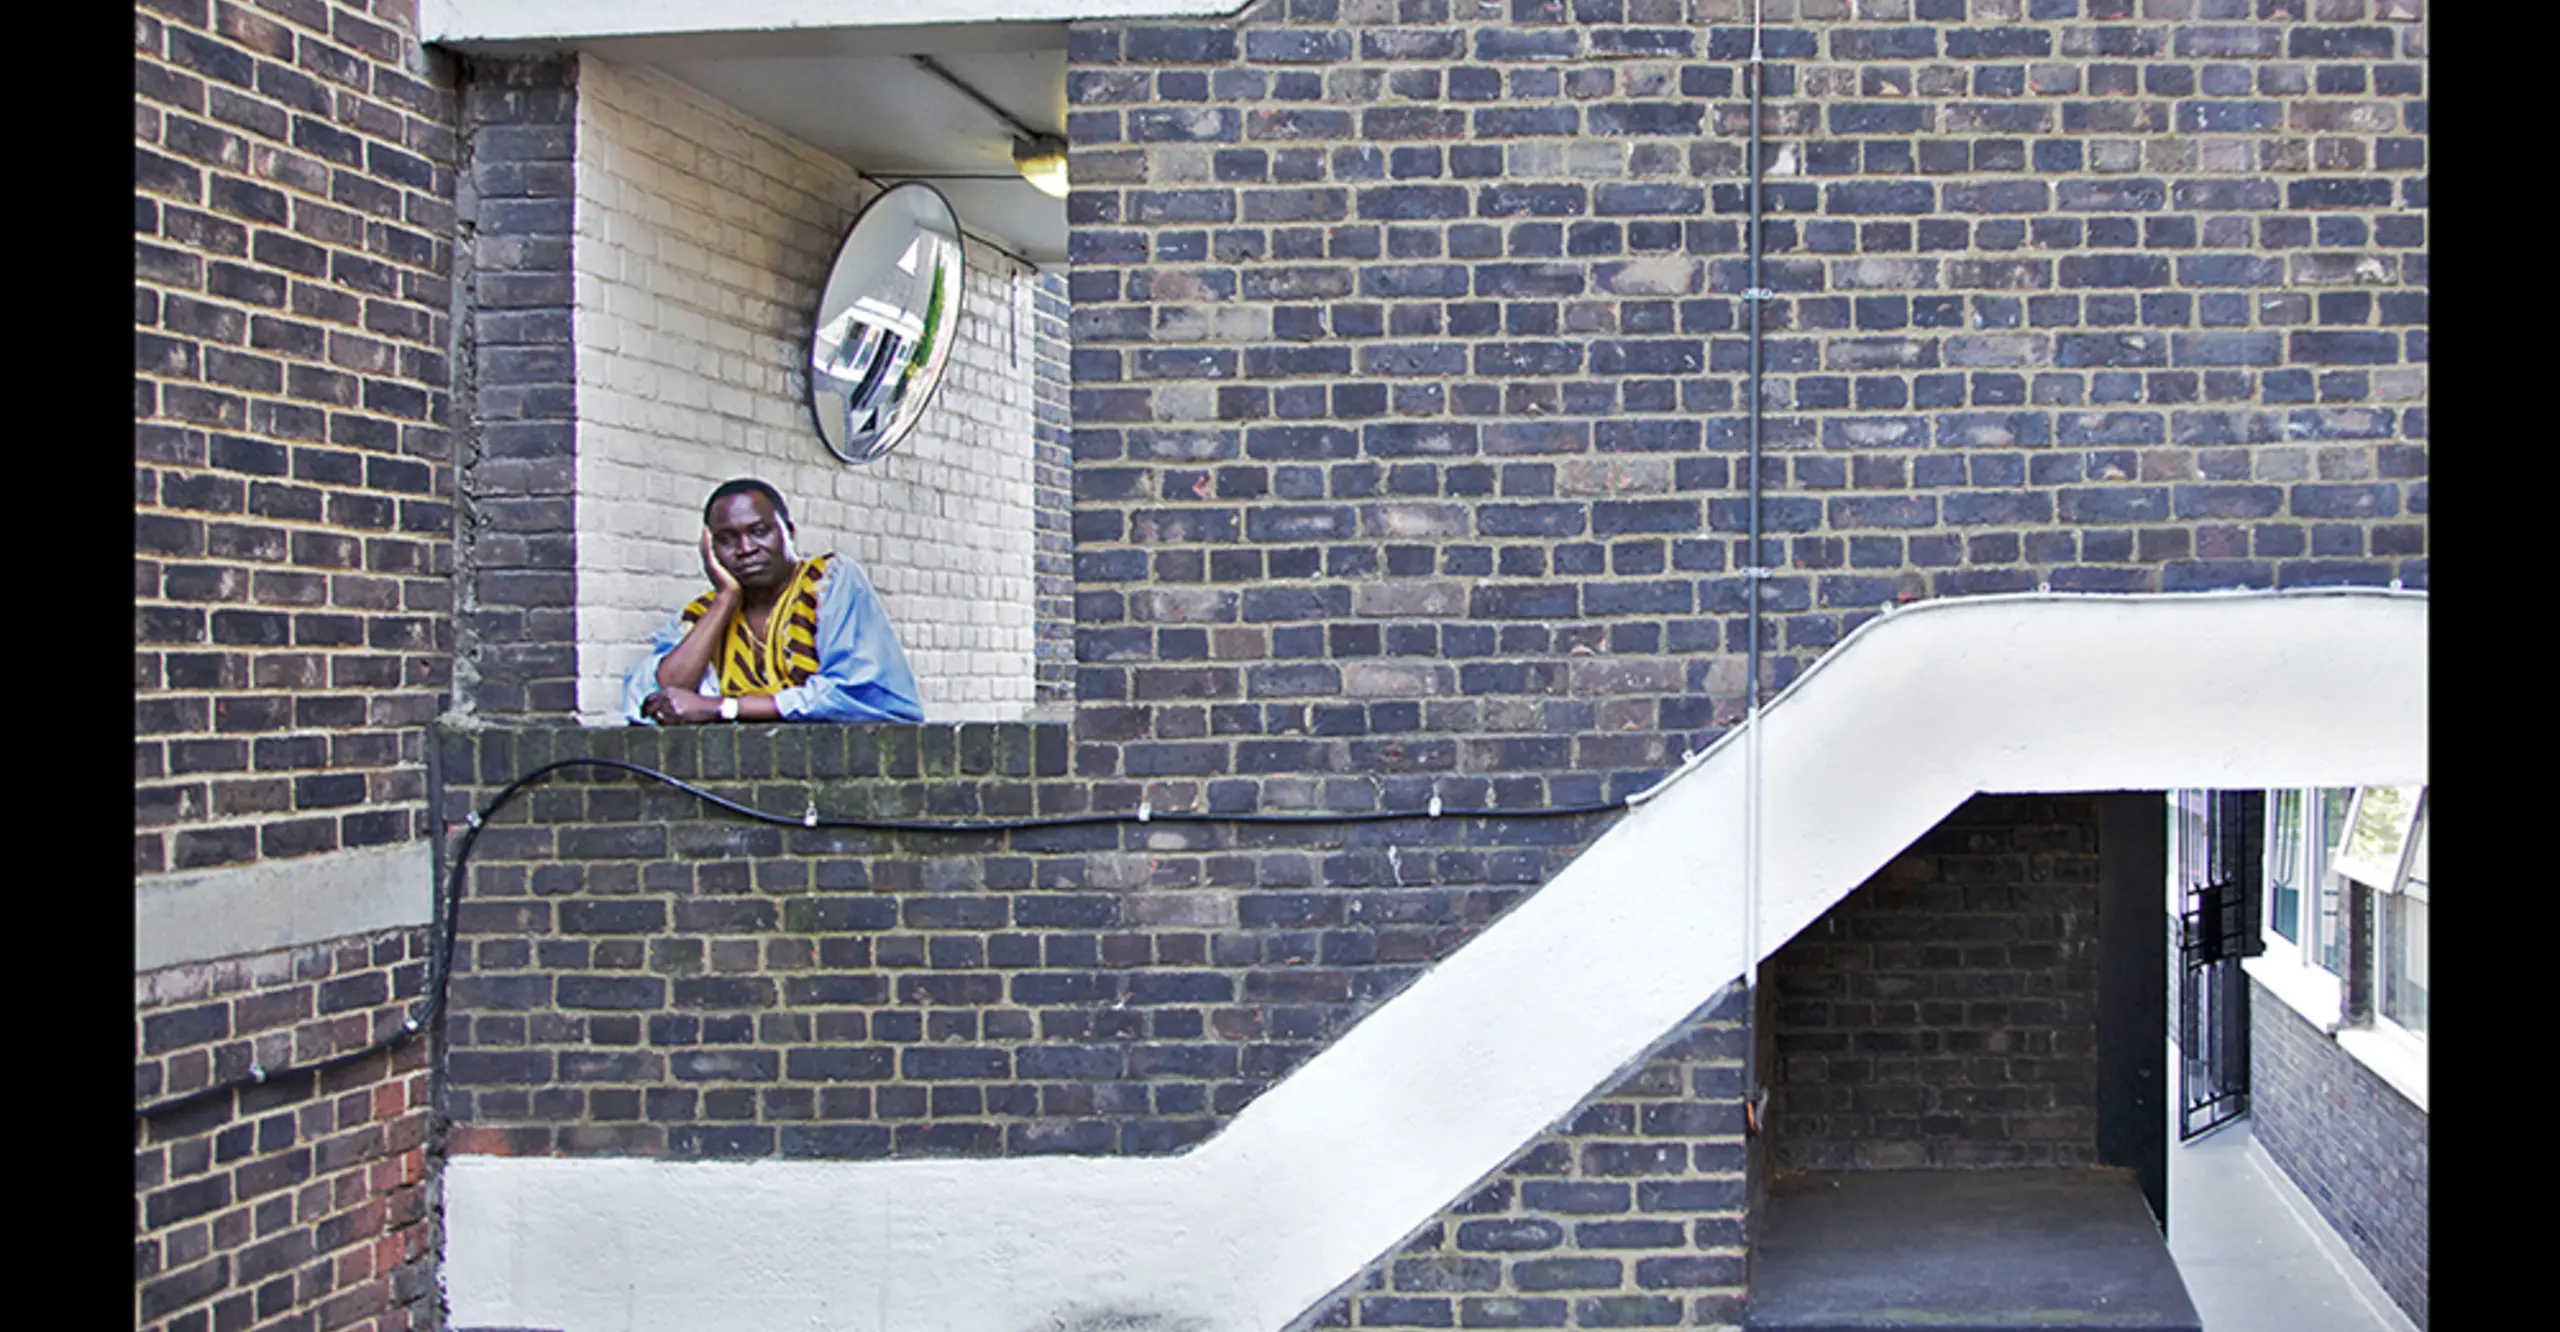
729 708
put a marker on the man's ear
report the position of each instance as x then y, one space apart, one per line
790 540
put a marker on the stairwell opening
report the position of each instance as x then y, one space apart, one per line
1956 1082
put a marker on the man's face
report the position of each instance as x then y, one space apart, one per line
748 540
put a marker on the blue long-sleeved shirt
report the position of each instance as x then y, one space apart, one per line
862 672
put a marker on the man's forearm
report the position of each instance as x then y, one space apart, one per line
835 700
678 706
685 667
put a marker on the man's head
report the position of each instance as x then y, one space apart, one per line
751 532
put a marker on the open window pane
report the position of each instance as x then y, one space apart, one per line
2285 865
2403 944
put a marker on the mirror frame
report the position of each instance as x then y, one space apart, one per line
929 371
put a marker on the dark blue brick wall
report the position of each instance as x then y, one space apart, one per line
1630 1213
638 974
2071 298
517 560
1944 1015
2354 1145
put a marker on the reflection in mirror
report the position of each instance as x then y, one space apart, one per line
885 322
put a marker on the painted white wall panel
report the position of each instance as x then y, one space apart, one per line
274 904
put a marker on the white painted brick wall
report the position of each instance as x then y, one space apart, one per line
703 236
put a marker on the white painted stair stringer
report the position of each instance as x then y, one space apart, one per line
1878 742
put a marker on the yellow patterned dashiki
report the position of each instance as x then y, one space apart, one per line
786 654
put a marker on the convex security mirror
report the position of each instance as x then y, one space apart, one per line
885 322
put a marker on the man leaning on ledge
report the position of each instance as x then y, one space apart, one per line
777 638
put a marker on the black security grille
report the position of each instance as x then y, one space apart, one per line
2220 869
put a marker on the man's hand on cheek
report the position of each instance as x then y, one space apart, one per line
721 579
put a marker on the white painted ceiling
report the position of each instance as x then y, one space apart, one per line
857 95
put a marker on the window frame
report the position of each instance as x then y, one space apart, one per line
2345 1002
2391 1048
2292 969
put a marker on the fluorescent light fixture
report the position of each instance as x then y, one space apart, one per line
1043 162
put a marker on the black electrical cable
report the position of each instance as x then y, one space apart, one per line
961 86
437 984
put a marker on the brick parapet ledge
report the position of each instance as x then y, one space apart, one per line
492 755
641 973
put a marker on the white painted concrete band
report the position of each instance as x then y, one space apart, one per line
1423 1099
468 22
280 904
